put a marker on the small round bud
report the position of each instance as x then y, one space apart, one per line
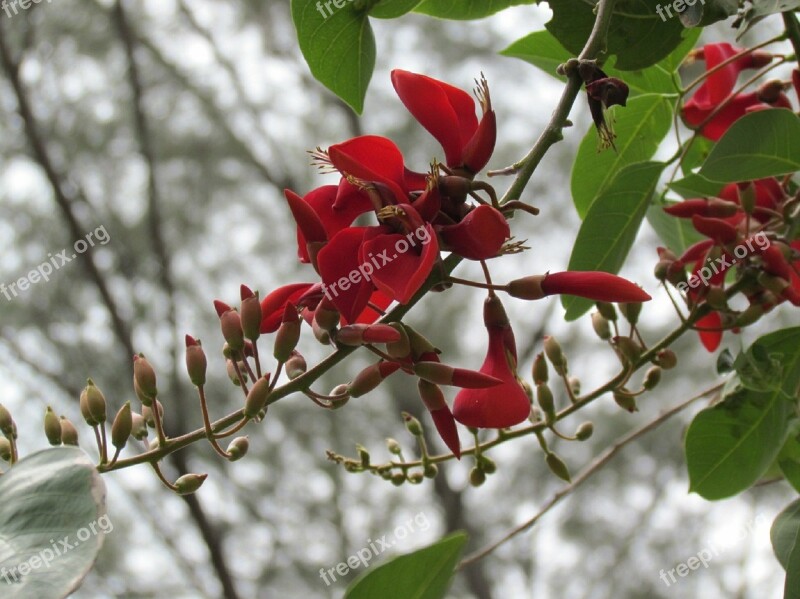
69 434
341 396
625 401
431 470
553 351
545 398
412 424
230 368
652 378
288 334
144 380
6 422
601 326
574 385
607 311
122 426
257 397
398 478
52 427
488 465
477 477
231 326
629 349
667 359
415 478
238 448
557 466
5 449
393 446
539 369
363 455
93 404
584 431
295 366
189 483
196 362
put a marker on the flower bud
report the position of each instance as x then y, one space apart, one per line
747 197
363 454
442 374
257 397
601 326
149 417
5 449
420 346
144 380
662 268
652 378
415 478
607 310
295 366
584 431
477 476
359 334
250 313
545 398
6 422
400 348
52 427
189 483
393 446
122 426
398 478
238 448
630 311
539 369
230 368
488 465
413 425
372 376
553 351
557 466
288 333
625 401
326 316
69 434
666 358
341 396
629 349
93 404
431 470
527 288
716 298
230 323
321 335
574 385
196 362
138 427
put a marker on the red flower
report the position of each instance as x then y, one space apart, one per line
598 286
709 328
718 87
503 405
448 114
480 234
274 304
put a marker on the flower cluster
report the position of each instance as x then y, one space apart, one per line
363 269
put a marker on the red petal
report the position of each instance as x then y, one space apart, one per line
695 113
338 266
378 299
598 286
710 338
447 112
446 425
480 234
273 305
309 225
372 158
479 149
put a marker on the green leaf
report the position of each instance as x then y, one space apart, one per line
339 48
765 143
676 233
718 10
637 35
466 9
695 186
424 574
789 458
609 229
731 445
760 10
785 537
47 497
391 9
640 127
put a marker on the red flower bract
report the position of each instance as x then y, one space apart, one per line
480 235
502 405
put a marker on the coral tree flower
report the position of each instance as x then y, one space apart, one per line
502 405
718 87
448 114
595 285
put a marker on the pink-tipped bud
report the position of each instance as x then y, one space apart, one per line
230 323
539 369
196 362
443 374
257 397
288 334
359 334
714 207
144 380
553 351
250 313
372 376
666 358
221 308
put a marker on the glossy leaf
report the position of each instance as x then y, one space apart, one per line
785 537
339 48
424 574
609 229
391 9
640 127
55 494
765 143
466 9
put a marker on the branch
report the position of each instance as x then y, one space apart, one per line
593 468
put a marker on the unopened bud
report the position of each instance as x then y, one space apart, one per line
372 376
584 431
662 268
607 310
340 396
402 347
69 434
431 470
539 369
189 483
527 288
326 317
420 346
321 335
629 349
545 398
295 366
747 197
359 334
257 397
716 298
5 449
415 478
93 404
52 427
6 422
230 324
196 361
393 446
138 427
398 478
477 477
601 326
251 313
557 466
149 417
630 311
288 334
412 424
626 401
553 351
144 380
443 374
488 465
238 448
230 368
666 358
652 378
363 455
574 385
122 426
